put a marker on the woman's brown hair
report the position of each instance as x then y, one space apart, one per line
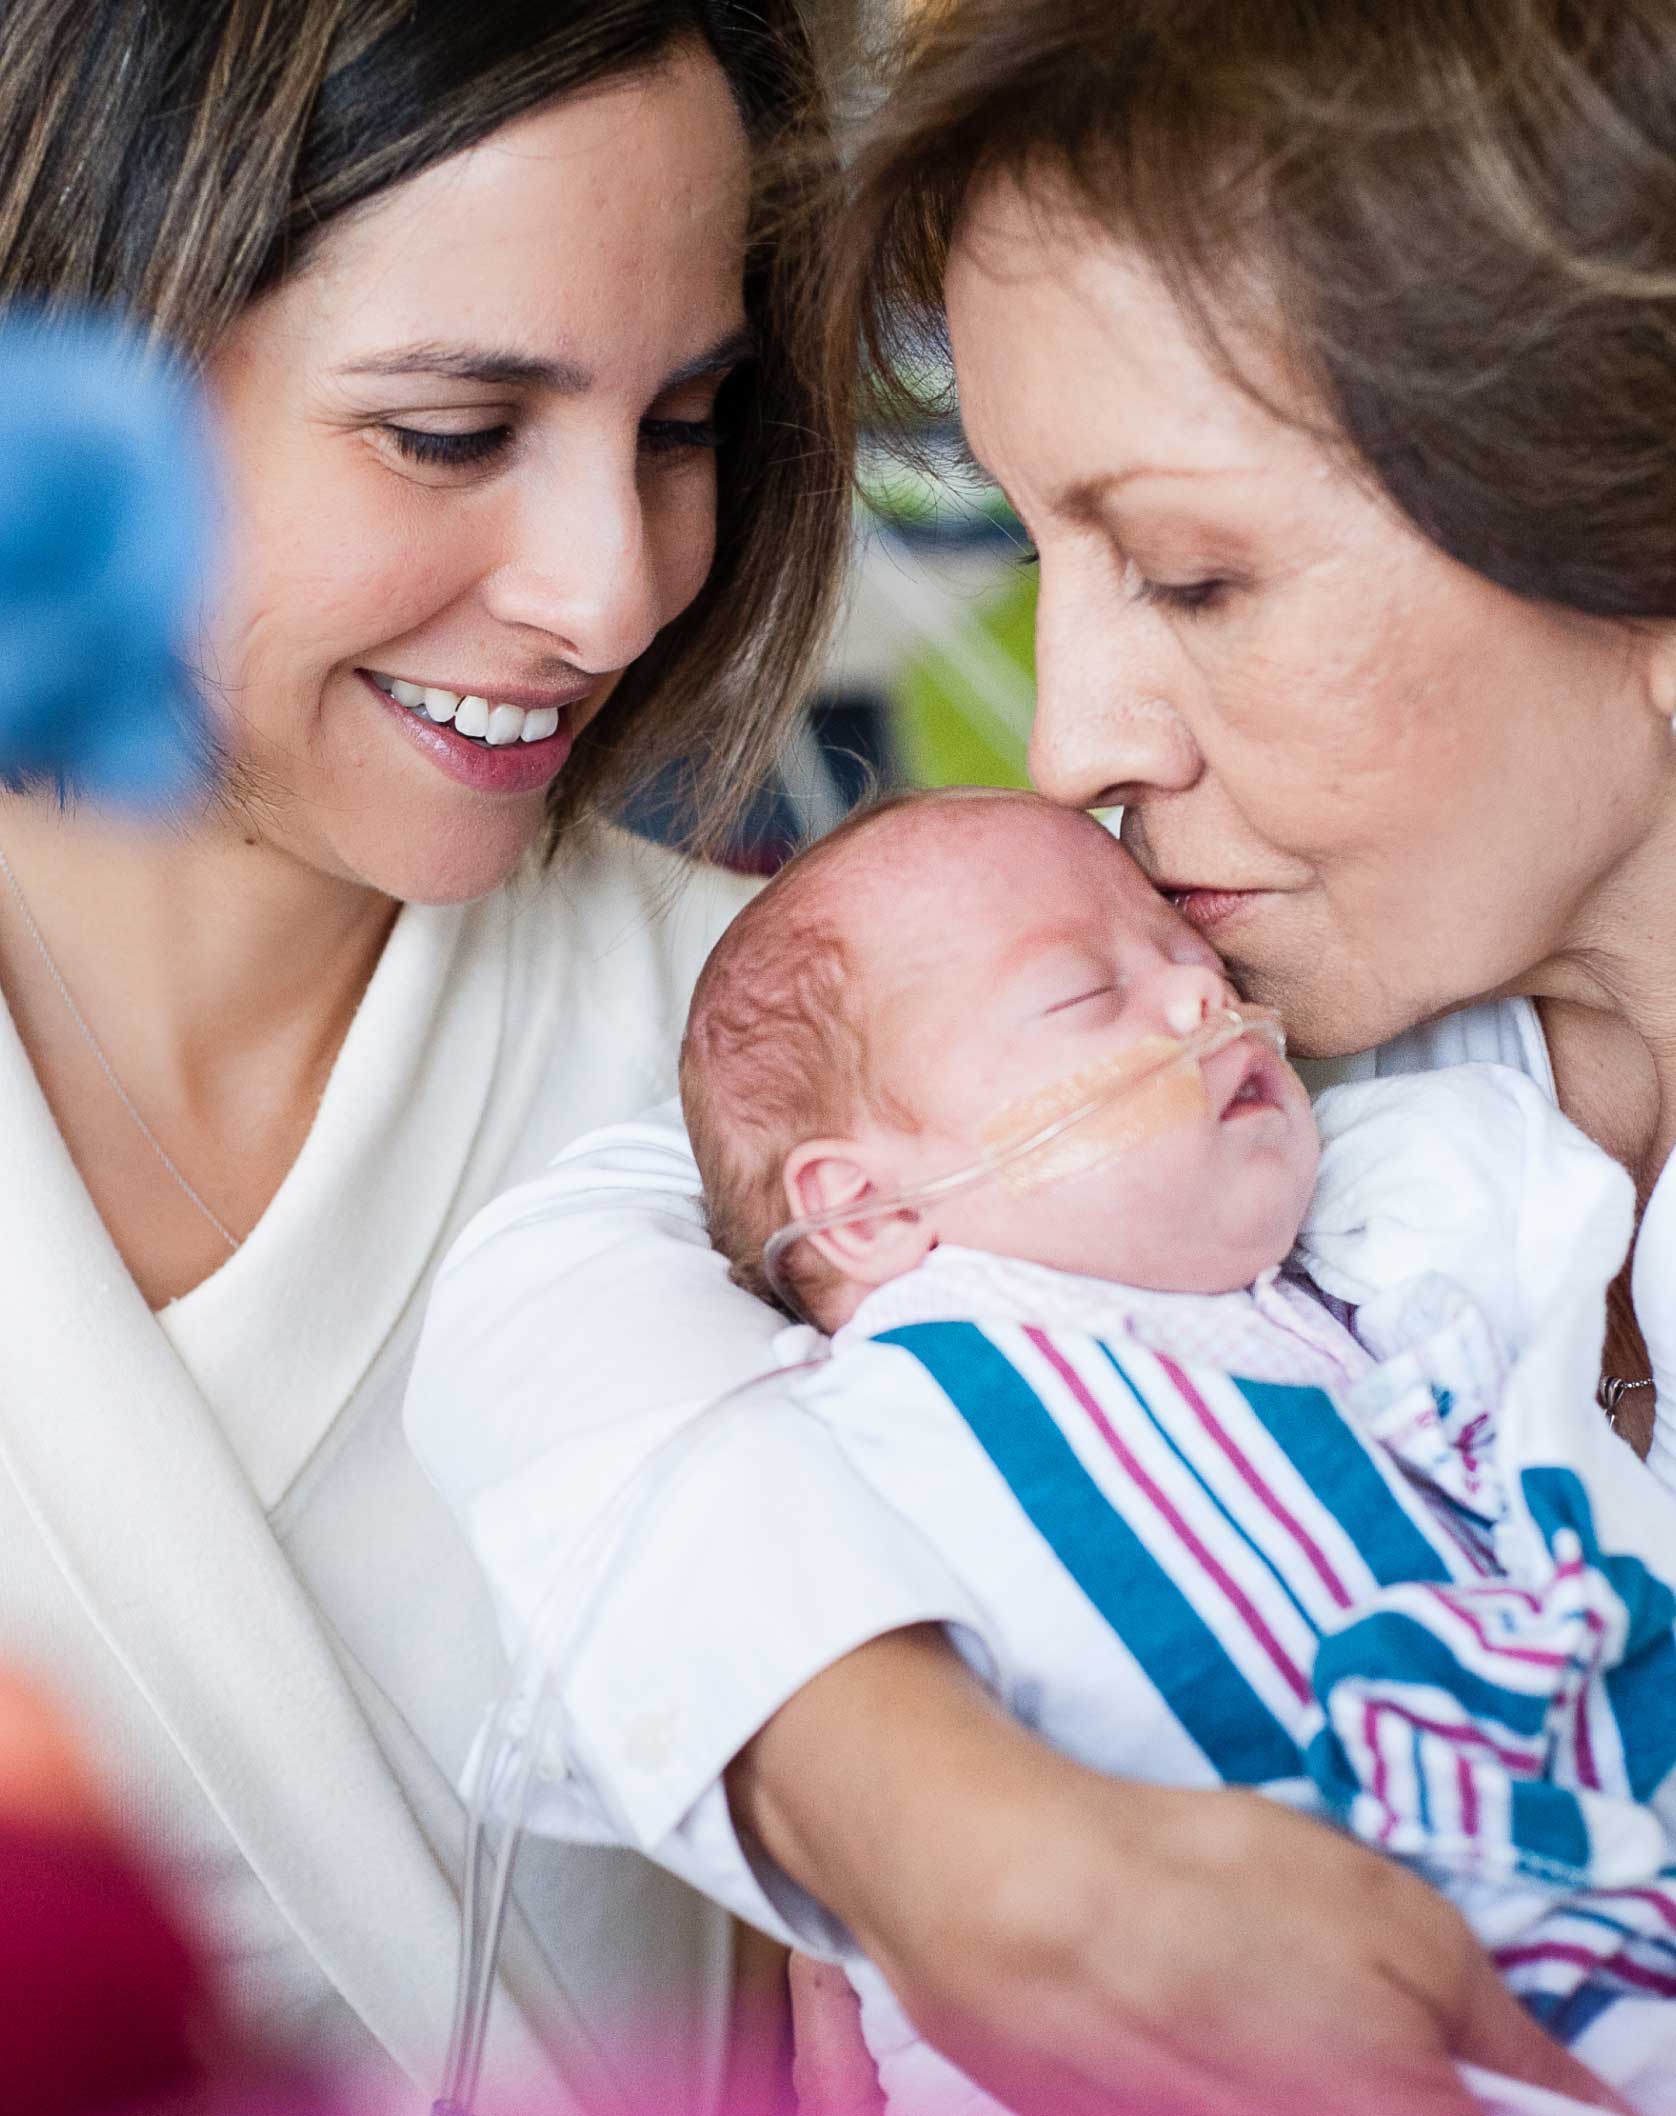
177 159
1456 220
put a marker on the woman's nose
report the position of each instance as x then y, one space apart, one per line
1185 996
583 575
1107 730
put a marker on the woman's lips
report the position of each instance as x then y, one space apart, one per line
520 768
1205 908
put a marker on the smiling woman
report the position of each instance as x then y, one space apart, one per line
524 493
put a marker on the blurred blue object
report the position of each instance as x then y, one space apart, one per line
104 515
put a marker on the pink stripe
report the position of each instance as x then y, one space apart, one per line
1528 1763
1444 1519
1381 1777
1656 1897
1616 1966
1582 1742
1467 1786
1254 1482
1533 1656
1282 1661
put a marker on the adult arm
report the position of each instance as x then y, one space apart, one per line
1075 1942
1081 1944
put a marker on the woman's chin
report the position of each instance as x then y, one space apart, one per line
1324 1017
453 864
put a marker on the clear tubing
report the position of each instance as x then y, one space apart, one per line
525 1732
1027 1153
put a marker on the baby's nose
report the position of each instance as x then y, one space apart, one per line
1189 994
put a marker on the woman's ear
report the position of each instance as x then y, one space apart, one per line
825 1174
1661 674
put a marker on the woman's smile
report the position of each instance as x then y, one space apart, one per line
528 505
490 745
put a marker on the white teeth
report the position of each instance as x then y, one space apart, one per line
473 716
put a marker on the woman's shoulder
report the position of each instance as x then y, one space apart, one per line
589 963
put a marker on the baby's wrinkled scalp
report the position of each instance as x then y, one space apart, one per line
778 1048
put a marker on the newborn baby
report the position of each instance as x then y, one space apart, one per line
946 974
1222 1496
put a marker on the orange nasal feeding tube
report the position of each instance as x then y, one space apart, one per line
1066 1128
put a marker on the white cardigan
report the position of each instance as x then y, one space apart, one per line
215 1547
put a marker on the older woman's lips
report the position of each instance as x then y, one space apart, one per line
1206 908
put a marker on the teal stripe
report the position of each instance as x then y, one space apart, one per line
1550 1833
1341 1473
1182 1657
1641 1689
1390 1646
1234 1527
1565 2014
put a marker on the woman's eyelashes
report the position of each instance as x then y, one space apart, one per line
481 445
1191 597
450 450
671 436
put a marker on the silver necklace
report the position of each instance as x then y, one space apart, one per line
1611 1393
105 1066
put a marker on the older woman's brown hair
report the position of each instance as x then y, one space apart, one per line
177 159
1455 219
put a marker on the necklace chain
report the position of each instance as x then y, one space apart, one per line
1611 1393
76 1015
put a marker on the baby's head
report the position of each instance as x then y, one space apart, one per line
933 980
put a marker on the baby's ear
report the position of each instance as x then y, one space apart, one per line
825 1174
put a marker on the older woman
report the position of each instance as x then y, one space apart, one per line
523 497
1328 354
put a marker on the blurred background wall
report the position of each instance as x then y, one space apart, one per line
929 680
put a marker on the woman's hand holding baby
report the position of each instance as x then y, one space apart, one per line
1081 1945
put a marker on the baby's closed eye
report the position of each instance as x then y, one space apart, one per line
1109 992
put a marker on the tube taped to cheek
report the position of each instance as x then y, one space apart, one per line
1127 1099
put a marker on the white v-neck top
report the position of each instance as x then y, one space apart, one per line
216 1548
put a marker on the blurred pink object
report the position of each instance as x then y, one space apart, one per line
104 2008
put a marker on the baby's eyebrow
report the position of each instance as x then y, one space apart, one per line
1066 950
1021 953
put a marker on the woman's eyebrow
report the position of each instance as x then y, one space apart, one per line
514 370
